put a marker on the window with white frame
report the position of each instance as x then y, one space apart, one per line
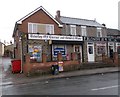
73 29
50 29
40 28
101 48
83 31
99 32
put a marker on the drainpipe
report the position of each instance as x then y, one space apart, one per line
21 54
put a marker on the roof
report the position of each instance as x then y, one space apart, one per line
78 21
31 13
37 9
112 32
2 43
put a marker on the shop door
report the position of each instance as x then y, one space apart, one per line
90 51
110 49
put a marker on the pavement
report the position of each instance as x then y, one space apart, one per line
8 78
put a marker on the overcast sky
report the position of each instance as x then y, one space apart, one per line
104 11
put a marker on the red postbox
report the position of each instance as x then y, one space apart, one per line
16 66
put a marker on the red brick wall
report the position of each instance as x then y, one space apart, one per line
39 17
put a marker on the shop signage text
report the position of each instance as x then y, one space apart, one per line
99 39
54 37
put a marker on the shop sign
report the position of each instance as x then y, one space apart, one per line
101 44
59 50
54 37
95 38
99 39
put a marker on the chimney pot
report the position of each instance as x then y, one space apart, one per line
58 13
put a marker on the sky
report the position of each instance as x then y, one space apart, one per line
104 11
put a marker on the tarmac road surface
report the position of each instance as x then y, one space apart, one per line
99 84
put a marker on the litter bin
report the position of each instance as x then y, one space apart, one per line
55 69
16 65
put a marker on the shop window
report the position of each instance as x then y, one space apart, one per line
118 49
35 52
101 50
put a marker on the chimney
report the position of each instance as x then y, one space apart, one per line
58 14
104 25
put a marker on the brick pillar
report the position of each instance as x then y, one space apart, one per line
27 58
103 58
115 58
27 65
73 56
79 57
59 57
44 58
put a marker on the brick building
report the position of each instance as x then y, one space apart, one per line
115 35
48 40
39 34
93 33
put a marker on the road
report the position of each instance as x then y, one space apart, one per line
100 84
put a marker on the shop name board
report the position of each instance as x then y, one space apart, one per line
99 39
54 37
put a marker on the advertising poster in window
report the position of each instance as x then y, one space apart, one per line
59 50
35 52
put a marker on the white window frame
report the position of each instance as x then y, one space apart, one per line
71 29
51 28
51 31
83 31
99 30
117 44
105 45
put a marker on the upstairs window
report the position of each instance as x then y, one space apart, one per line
73 29
50 29
40 28
99 32
83 31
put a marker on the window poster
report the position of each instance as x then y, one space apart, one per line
59 49
35 52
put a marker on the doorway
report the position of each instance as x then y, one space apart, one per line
90 51
110 49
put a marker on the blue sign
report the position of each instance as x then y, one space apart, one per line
59 50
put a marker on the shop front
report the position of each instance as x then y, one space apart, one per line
96 46
51 45
118 47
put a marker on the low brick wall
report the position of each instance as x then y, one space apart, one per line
30 68
115 60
